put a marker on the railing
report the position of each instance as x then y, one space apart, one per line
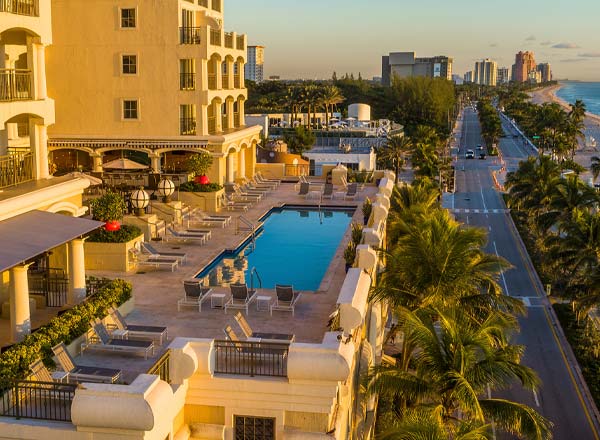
253 272
236 120
161 367
189 35
225 122
21 7
215 37
93 285
187 81
15 84
212 125
37 400
240 43
236 82
203 3
212 81
187 126
16 169
50 283
297 170
245 358
216 5
229 40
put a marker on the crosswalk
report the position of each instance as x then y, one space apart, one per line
479 211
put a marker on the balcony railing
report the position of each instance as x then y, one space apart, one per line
187 81
37 400
297 171
50 283
236 120
251 358
16 169
161 367
189 35
240 42
212 81
215 37
225 121
203 3
216 5
236 81
229 40
21 7
187 126
212 125
15 84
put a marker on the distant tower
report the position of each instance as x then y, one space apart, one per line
254 69
524 65
486 72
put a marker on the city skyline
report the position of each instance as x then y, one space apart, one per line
314 45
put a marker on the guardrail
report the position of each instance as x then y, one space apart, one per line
215 37
21 7
245 358
190 35
16 169
15 85
161 367
37 400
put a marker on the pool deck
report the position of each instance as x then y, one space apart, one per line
156 292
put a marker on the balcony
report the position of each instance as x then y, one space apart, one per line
212 125
203 3
240 42
189 35
187 81
236 120
215 37
212 81
37 400
236 82
245 358
216 5
21 7
187 126
229 40
15 85
16 169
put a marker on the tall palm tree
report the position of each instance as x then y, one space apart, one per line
394 152
331 96
530 185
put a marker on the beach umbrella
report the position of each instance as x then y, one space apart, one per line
93 180
123 164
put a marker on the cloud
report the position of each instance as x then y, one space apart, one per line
572 60
493 44
590 55
530 38
546 43
565 46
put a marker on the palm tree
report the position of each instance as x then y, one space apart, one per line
530 185
393 153
576 124
331 96
456 361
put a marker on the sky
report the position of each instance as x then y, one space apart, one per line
313 38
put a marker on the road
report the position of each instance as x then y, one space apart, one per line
562 398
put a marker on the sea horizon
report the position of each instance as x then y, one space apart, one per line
587 91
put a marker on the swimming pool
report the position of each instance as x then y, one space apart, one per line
295 246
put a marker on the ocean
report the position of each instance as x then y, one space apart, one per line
588 92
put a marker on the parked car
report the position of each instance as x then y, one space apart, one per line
470 154
482 156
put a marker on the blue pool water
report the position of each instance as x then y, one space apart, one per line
295 247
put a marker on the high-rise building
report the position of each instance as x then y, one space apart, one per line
534 77
468 78
545 72
524 64
406 64
503 75
255 63
486 72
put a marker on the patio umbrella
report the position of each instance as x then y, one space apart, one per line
93 180
123 164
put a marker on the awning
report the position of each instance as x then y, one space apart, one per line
31 234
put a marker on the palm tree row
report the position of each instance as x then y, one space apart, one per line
564 223
309 98
454 324
491 126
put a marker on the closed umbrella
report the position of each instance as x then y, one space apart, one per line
123 164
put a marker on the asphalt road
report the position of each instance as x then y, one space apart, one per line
562 397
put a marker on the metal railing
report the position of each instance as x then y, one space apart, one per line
16 169
297 170
245 358
37 400
187 126
187 81
21 7
229 40
161 367
212 81
240 42
212 125
189 35
15 85
52 284
215 37
253 272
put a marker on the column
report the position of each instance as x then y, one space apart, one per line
20 318
4 137
40 74
242 163
219 73
40 144
203 120
76 258
13 130
229 62
242 72
202 76
229 114
155 163
242 111
97 163
218 116
230 170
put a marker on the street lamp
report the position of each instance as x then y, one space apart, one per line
165 189
140 201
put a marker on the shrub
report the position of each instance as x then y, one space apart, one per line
123 235
350 253
367 208
198 187
199 164
14 363
109 207
357 230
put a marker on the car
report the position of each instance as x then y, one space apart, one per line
479 147
482 156
470 154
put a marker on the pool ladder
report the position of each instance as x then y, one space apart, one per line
243 224
253 272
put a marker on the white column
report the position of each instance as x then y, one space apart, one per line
20 318
77 290
242 163
203 120
155 163
97 163
41 151
230 170
218 117
40 74
242 111
13 130
230 75
229 115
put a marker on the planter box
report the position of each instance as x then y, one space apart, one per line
110 256
206 201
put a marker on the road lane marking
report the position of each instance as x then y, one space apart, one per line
483 198
502 272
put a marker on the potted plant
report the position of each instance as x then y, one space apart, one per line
109 208
350 255
357 232
367 208
199 164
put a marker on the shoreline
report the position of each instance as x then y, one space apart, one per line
548 94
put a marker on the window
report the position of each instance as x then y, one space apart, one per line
128 18
130 109
254 428
187 74
187 120
129 64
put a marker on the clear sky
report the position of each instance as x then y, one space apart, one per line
313 38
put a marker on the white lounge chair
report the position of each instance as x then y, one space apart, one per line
241 297
181 256
103 341
81 373
286 299
154 261
194 295
176 235
153 332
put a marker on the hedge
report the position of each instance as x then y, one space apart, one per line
14 363
123 235
198 187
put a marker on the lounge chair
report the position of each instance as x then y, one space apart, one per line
80 373
262 184
104 342
194 295
176 235
207 233
351 191
301 180
181 256
152 260
286 299
153 332
40 372
210 221
261 336
241 297
263 179
304 189
236 193
233 205
328 191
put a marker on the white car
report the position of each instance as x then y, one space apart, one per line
470 154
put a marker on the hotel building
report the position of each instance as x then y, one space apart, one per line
255 64
406 64
486 72
524 65
503 75
545 72
160 78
